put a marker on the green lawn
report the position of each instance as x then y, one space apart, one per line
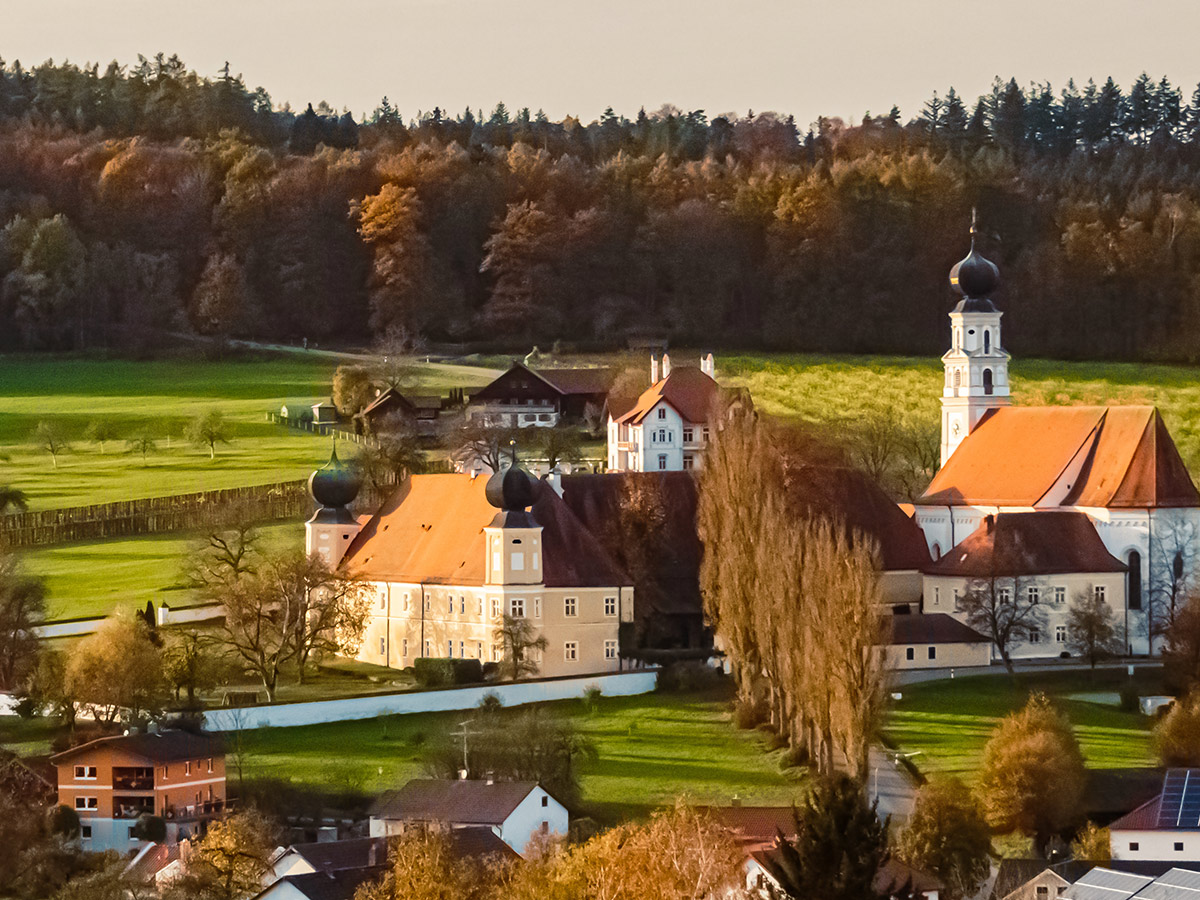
159 397
134 570
652 749
949 722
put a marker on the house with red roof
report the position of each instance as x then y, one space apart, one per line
667 427
1164 828
449 556
1115 468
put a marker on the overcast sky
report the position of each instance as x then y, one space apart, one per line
834 57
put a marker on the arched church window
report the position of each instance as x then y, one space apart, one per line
987 381
987 342
1133 580
937 552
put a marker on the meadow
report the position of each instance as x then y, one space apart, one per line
651 749
136 570
159 398
947 723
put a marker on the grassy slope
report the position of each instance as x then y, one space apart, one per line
652 749
159 397
134 570
949 722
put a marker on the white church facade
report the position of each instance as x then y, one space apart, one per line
1115 466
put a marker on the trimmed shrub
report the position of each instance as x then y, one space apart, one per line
439 672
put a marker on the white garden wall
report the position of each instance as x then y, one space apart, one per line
287 715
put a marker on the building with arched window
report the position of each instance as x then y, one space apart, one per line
1115 466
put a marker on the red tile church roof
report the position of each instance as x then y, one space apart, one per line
1025 456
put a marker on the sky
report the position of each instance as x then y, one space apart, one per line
568 57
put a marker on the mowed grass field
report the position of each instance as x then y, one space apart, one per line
96 579
948 722
159 398
652 749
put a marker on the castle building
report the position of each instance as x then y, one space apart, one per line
1115 466
448 556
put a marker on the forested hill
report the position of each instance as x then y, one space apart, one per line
143 200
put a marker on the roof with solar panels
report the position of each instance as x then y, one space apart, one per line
1177 808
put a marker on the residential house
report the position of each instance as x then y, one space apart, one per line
1038 879
667 428
417 411
110 782
515 811
1111 884
1116 465
1164 828
1050 559
526 397
447 556
341 885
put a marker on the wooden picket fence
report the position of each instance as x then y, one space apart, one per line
159 515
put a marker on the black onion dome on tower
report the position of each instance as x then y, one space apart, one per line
335 484
511 490
975 278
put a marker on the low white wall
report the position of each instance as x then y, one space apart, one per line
287 715
164 614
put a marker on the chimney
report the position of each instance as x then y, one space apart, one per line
489 778
990 521
554 479
736 801
654 367
373 854
666 365
708 365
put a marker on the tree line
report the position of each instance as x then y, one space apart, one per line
149 201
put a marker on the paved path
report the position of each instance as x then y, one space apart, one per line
919 676
891 786
443 367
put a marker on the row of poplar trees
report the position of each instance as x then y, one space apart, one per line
794 600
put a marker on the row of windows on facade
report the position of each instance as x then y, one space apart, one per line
133 807
88 773
1033 594
987 339
570 649
1134 846
516 606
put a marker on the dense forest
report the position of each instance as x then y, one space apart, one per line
145 201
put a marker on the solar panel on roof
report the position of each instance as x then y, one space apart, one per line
1180 804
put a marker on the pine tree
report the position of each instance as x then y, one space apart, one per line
1110 109
1137 120
954 115
1168 110
931 114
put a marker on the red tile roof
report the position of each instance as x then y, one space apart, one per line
1100 456
431 531
578 381
690 392
1144 818
754 825
1031 543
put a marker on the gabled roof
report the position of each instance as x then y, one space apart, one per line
930 628
165 746
1177 808
336 856
463 802
687 390
1030 543
597 498
1119 457
577 381
431 531
852 497
150 860
754 825
409 403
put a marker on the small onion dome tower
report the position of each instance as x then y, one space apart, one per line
332 527
976 364
514 538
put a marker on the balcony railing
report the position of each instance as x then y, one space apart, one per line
133 782
132 807
192 811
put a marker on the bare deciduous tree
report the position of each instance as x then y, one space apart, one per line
1001 606
519 640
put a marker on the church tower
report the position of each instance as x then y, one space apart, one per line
976 364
